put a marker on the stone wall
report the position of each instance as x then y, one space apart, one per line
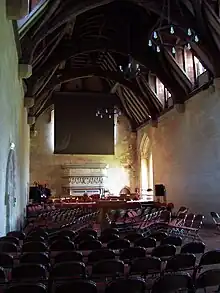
46 167
186 153
14 143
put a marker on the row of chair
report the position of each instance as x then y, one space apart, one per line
167 246
136 257
165 283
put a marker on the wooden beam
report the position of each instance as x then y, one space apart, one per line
69 75
61 19
145 56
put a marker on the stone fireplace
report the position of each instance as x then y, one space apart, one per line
78 179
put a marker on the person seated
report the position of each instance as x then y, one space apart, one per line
125 191
86 198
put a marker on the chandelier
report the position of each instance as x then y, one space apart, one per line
130 70
108 113
166 34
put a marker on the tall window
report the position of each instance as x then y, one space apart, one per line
147 180
115 129
151 173
144 175
159 89
51 131
189 63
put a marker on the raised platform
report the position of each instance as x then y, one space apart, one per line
106 204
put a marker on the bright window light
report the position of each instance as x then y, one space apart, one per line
51 131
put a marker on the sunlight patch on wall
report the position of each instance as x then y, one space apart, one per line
117 178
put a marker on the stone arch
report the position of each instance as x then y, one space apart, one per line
144 146
10 190
146 165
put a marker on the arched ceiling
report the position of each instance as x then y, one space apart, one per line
80 39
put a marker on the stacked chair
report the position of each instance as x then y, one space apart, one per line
184 224
216 219
54 219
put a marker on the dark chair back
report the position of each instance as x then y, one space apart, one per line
85 286
193 247
189 220
99 255
132 253
17 234
147 242
110 231
83 237
173 240
26 288
90 245
108 267
2 275
52 239
68 256
165 216
62 245
34 246
164 250
105 238
208 279
132 237
88 231
37 258
64 270
211 257
119 244
38 232
159 236
28 271
173 283
8 247
10 239
182 210
198 221
146 265
185 261
69 233
34 238
6 260
134 285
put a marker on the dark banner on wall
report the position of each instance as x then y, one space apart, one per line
77 128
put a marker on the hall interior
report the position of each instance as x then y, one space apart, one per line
114 106
165 121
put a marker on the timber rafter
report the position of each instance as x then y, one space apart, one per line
100 34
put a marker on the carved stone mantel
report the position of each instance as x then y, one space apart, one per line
86 180
80 178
